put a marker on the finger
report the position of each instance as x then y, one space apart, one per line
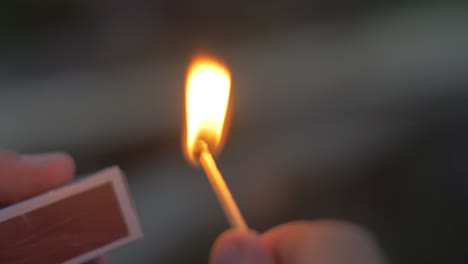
24 176
324 242
240 247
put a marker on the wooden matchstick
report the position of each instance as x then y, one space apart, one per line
229 205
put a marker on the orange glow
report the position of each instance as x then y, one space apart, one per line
206 102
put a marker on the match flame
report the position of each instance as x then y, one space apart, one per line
206 102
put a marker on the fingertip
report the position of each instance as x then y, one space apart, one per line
25 176
55 168
240 247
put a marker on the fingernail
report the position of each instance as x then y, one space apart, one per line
45 158
241 248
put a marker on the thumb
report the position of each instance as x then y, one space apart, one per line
240 247
323 241
25 176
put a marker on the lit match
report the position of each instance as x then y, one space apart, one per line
206 101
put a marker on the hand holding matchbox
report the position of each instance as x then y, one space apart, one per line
88 218
71 224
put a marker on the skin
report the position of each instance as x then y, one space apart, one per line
317 242
302 242
23 176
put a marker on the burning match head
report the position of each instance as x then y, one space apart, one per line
206 102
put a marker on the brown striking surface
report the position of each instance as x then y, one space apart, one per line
63 230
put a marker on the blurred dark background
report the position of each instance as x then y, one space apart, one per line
356 110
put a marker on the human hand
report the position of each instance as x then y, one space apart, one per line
314 242
22 177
